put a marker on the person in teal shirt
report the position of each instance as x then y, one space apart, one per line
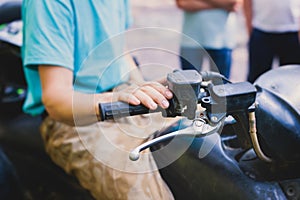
211 24
68 49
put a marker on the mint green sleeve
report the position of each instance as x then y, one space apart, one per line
48 33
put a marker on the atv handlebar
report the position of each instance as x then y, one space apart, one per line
120 109
216 97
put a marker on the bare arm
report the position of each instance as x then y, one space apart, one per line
198 5
71 107
248 14
229 5
193 5
58 96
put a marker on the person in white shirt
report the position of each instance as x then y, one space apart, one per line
273 26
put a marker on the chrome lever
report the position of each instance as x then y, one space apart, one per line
199 128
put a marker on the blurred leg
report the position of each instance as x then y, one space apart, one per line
220 60
79 151
260 54
190 58
288 49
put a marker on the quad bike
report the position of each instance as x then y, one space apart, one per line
243 140
252 132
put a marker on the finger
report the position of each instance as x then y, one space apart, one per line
145 99
161 89
128 98
156 96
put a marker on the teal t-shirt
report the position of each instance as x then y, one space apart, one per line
213 29
80 35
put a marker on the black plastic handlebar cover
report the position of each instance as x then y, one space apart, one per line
10 11
114 110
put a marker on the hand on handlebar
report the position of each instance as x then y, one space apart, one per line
150 94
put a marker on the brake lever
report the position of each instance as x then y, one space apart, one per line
199 128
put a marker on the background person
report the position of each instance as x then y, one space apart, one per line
273 26
212 24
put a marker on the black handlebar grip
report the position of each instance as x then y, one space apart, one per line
114 110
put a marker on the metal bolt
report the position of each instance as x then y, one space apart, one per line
199 123
214 119
290 191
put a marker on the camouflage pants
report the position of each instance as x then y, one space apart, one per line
98 156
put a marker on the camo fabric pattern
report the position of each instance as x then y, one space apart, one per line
76 149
